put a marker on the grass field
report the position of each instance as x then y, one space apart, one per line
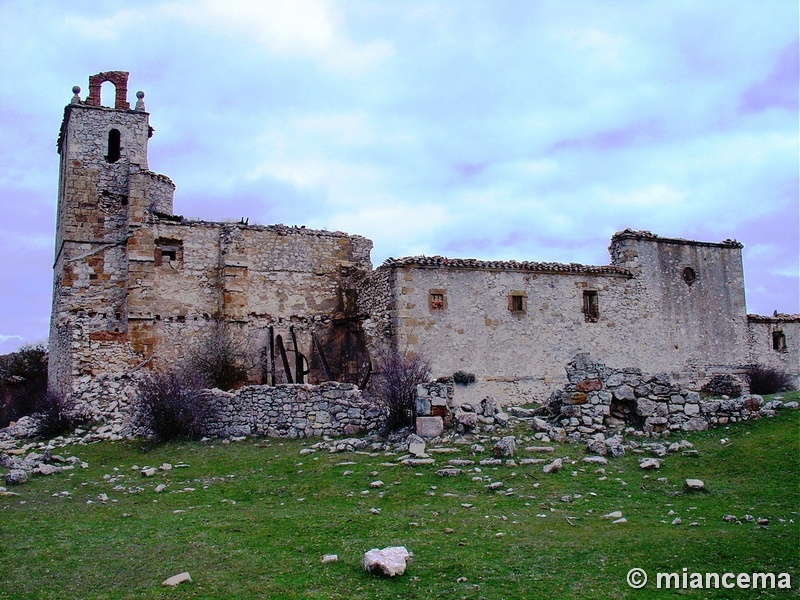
252 520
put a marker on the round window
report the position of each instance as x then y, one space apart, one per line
689 276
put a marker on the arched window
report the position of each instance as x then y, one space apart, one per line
113 146
108 94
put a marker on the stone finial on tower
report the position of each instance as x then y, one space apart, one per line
140 101
120 81
76 94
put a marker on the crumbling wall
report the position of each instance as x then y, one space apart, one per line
599 399
775 342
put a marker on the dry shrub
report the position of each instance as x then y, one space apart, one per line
23 382
223 358
767 380
171 404
394 386
56 414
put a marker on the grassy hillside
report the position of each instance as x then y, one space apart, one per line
252 520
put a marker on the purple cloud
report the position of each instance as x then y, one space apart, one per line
779 89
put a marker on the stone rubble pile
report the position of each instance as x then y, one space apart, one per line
598 400
20 468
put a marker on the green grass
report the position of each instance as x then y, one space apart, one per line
261 516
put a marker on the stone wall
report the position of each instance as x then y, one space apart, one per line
663 305
293 411
599 399
775 342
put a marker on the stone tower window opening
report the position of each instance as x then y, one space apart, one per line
689 275
108 94
779 341
114 145
168 253
591 306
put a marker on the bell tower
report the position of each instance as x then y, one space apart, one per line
103 164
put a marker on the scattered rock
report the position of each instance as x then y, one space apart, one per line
449 472
598 447
619 521
537 449
694 485
595 460
160 488
16 477
376 484
329 558
177 579
676 521
554 466
538 424
507 446
617 514
148 472
416 446
649 463
390 562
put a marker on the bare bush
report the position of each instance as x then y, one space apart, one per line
394 386
171 404
56 414
23 382
222 358
767 380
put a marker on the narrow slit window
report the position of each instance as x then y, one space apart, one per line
591 306
114 138
779 341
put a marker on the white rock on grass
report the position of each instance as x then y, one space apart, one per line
617 514
390 562
177 579
329 558
694 485
649 463
553 466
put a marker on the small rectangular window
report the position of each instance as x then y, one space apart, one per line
517 302
168 253
591 306
437 300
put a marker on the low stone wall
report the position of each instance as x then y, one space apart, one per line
599 399
292 411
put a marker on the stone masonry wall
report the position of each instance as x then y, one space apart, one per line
293 411
290 411
599 399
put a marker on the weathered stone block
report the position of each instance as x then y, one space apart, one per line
430 427
589 385
423 406
579 398
624 392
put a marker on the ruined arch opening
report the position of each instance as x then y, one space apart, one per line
108 94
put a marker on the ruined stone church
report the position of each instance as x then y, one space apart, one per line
136 285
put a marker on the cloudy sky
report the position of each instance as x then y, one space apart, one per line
525 129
